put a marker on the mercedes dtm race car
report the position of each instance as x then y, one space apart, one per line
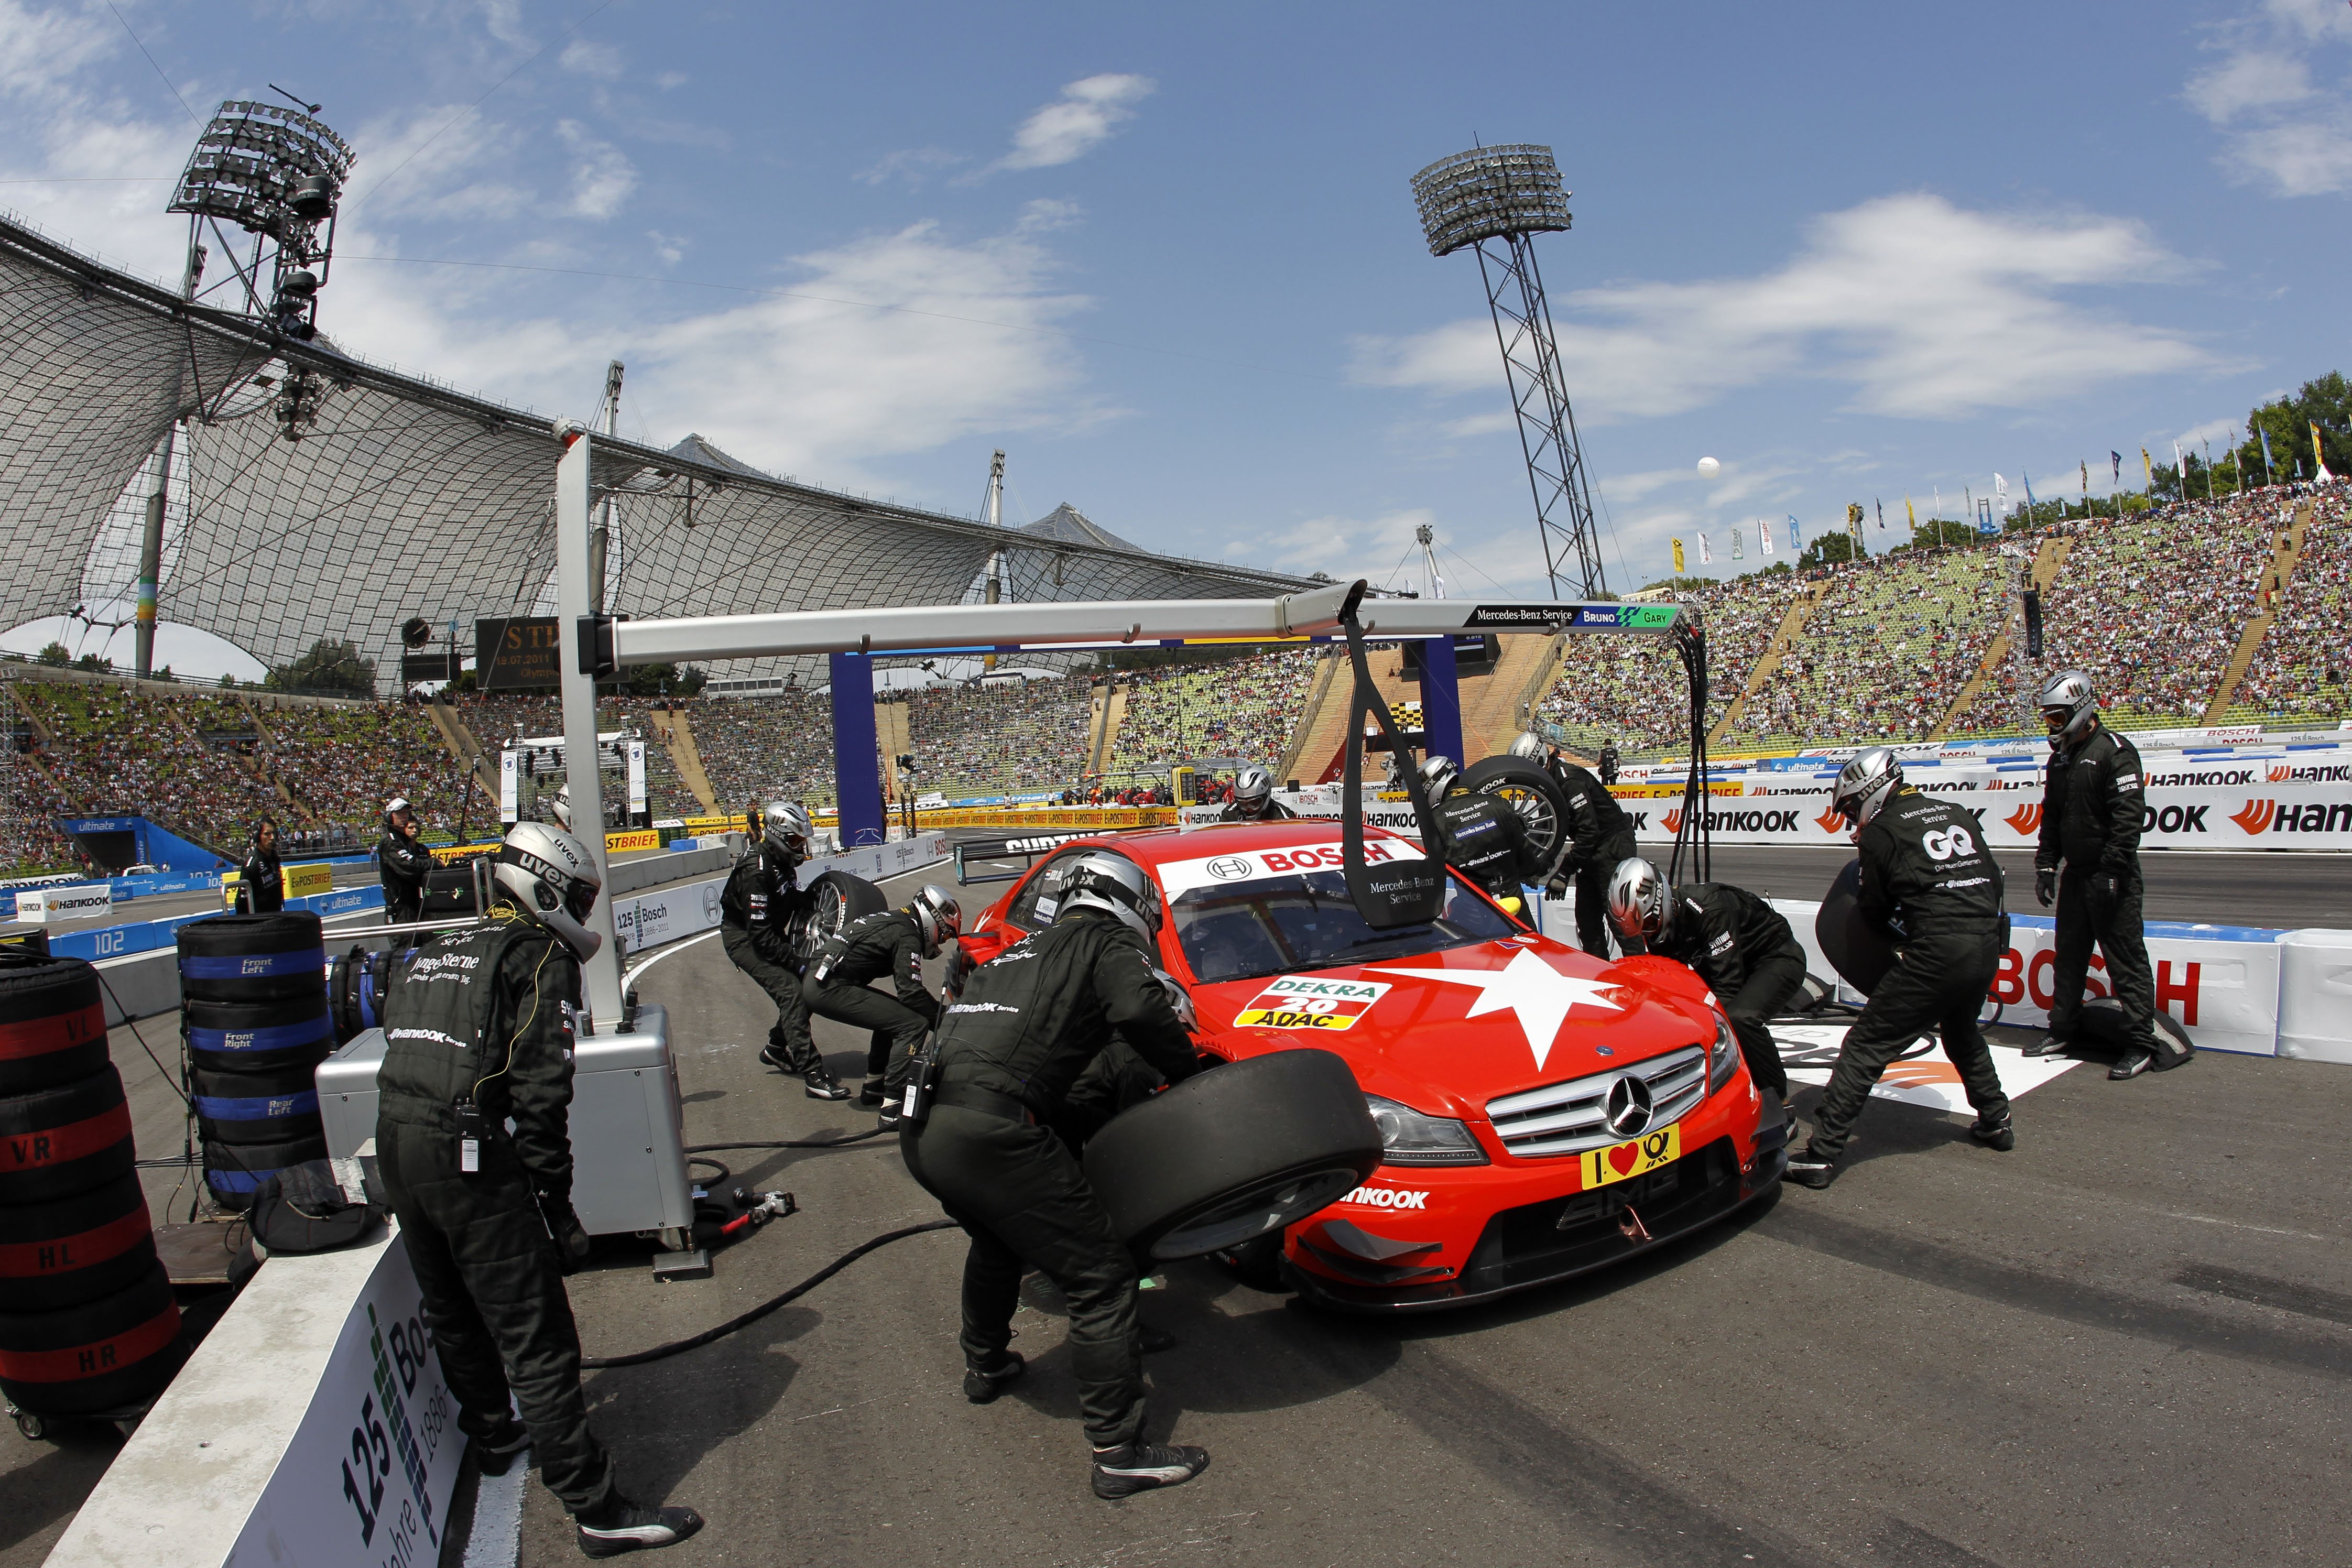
1543 1112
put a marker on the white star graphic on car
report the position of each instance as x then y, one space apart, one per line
1538 994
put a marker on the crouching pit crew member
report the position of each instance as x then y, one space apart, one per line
1733 940
1484 839
2088 861
476 1037
755 920
1601 835
891 944
1929 884
1253 799
1027 1024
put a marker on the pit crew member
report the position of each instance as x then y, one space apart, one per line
1483 837
890 945
1929 883
402 862
1025 1025
475 1038
1600 837
755 914
1253 799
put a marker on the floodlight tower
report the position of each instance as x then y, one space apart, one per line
1510 194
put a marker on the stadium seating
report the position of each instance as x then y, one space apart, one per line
1632 691
2303 668
756 749
1001 737
1245 709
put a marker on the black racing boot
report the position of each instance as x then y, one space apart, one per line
2050 1045
1151 1341
2132 1063
626 1527
772 1053
1808 1169
819 1084
1143 1467
870 1092
891 1117
1995 1132
495 1450
983 1385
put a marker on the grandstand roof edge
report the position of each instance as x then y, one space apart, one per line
18 234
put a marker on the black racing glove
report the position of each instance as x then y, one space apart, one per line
2045 885
563 1224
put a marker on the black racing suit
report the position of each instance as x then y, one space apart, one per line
1743 949
1027 1024
1267 810
755 912
1486 842
873 947
1929 882
478 1015
402 862
1609 765
261 883
1600 835
2092 802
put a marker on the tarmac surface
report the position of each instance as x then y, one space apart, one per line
2128 1341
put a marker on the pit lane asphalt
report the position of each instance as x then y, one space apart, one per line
2129 1342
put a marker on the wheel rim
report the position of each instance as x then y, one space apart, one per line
1535 809
1268 1206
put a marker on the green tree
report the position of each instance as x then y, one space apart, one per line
96 663
1827 549
164 674
334 666
2326 401
651 680
57 653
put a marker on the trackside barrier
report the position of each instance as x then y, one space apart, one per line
234 1465
2316 995
652 919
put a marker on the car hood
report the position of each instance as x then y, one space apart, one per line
1448 1031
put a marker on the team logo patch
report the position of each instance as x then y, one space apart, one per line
1304 1002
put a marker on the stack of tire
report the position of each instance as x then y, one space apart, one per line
253 1009
356 983
87 1323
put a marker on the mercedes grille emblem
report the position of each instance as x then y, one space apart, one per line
1629 1107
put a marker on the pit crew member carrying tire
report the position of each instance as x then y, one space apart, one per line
1929 883
1733 940
1027 1025
755 914
891 944
476 1037
1600 837
2088 861
1483 837
1253 799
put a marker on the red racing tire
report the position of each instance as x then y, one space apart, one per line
64 1141
52 1026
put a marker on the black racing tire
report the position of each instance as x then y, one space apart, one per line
52 1025
64 1141
1233 1155
1535 795
114 1353
61 1254
272 1106
1857 950
252 958
2101 1020
232 1170
836 898
258 1036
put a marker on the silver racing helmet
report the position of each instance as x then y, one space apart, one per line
1641 902
1115 884
786 828
1437 776
2068 705
938 916
550 875
1531 747
1863 784
1253 787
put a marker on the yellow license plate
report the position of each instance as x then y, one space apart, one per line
1623 1161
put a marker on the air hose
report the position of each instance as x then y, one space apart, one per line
679 1347
791 1142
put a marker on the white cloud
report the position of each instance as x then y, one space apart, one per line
2226 431
1073 125
1927 310
2278 129
41 50
602 176
912 164
582 56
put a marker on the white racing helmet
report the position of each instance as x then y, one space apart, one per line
1641 902
1863 784
785 828
1531 747
2068 705
938 916
1253 787
1437 776
548 874
1113 883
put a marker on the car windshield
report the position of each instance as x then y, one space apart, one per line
1279 924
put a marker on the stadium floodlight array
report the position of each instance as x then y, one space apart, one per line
1494 200
277 174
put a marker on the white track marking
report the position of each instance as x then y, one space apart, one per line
496 1539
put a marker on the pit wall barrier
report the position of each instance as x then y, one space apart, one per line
651 920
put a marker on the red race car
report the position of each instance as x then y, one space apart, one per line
1544 1112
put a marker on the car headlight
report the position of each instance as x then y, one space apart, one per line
1410 1138
1722 1058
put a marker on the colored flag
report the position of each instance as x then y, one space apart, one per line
2028 493
2267 449
2086 480
2115 463
1738 543
2147 470
1706 556
2180 467
1796 541
1678 556
1910 513
1764 535
2318 456
2000 496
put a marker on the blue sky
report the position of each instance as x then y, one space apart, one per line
1167 260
